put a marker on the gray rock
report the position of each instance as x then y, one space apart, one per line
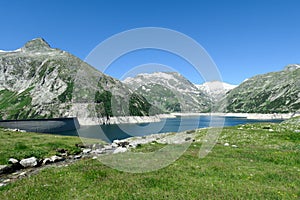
29 162
226 144
86 151
120 150
46 161
12 161
22 174
3 168
108 147
56 158
77 156
98 151
6 180
114 145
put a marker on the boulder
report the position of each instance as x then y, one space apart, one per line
95 157
123 144
114 145
97 151
77 156
56 158
120 150
86 151
29 162
12 161
3 169
226 144
108 147
46 161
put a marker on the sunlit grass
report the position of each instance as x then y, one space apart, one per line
265 165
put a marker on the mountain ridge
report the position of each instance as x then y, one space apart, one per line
38 81
169 91
215 89
273 92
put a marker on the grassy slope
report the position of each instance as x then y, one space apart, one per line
266 165
23 145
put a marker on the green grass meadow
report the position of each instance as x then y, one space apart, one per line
265 165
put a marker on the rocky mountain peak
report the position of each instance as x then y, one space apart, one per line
169 91
38 44
292 67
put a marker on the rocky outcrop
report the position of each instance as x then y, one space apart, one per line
29 162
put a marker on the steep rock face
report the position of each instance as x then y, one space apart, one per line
215 90
170 92
38 81
275 92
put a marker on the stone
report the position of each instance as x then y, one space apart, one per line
123 144
97 151
226 144
56 158
108 147
64 154
95 157
2 184
46 161
77 156
6 181
234 146
114 145
86 151
3 169
29 162
120 150
12 161
22 174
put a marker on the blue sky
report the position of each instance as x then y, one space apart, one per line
243 37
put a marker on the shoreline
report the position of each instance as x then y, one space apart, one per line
244 115
158 118
123 120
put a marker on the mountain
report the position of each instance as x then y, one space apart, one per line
215 89
37 81
275 92
170 92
